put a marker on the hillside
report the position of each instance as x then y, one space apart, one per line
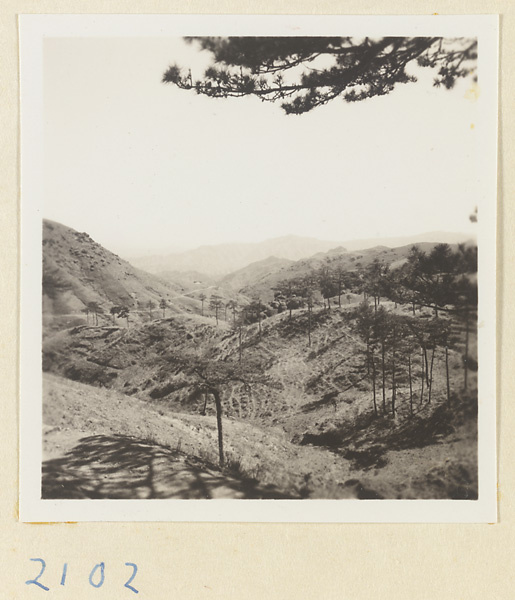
336 258
311 400
78 271
305 427
252 274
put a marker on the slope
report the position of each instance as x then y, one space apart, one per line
264 285
313 401
78 271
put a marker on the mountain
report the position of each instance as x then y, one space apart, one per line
216 261
251 274
440 237
220 260
77 271
287 406
263 285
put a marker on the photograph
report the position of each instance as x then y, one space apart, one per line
258 265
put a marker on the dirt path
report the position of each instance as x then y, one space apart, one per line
122 467
98 443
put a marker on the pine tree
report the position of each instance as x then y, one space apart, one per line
303 73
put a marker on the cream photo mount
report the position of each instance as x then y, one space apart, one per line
34 30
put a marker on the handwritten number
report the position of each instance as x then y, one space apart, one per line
35 581
63 576
131 578
100 566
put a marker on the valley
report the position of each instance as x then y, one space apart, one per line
340 375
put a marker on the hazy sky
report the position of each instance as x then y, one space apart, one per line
145 167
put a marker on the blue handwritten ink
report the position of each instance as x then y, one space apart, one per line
131 578
65 570
35 581
100 566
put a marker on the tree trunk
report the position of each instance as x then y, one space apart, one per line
202 308
447 374
374 383
413 308
431 375
466 346
329 303
384 377
410 386
240 343
394 391
218 404
422 386
309 326
427 366
205 404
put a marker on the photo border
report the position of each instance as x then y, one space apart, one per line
33 29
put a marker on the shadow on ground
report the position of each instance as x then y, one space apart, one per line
120 467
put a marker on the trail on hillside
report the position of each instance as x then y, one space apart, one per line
121 467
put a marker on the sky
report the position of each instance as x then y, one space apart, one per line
147 168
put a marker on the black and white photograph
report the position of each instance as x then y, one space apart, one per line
258 264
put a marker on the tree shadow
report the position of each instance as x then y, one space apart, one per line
121 467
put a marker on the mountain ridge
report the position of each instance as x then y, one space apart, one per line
220 260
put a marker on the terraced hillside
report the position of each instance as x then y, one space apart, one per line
314 402
291 399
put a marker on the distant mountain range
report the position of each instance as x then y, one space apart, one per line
78 271
219 260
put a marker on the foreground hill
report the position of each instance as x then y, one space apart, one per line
101 444
304 426
78 271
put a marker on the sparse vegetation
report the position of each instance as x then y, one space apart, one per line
294 390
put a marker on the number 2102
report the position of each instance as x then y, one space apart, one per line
96 576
